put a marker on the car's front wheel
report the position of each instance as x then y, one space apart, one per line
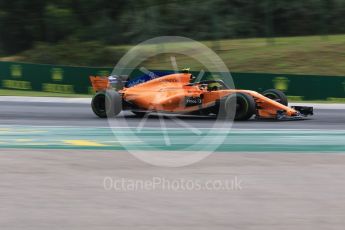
237 106
276 95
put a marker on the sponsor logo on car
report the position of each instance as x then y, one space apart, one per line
191 101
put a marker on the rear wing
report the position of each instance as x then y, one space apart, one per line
99 83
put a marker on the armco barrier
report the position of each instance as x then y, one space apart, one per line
47 78
66 79
307 87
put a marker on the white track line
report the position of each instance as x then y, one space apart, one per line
45 99
320 106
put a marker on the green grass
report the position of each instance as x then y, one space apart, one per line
314 55
5 92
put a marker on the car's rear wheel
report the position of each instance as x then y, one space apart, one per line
106 104
276 95
238 106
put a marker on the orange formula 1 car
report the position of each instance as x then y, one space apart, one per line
177 93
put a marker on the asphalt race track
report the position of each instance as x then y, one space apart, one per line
61 189
80 114
55 168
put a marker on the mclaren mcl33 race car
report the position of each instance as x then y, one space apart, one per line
179 94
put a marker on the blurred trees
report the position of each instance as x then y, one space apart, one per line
25 23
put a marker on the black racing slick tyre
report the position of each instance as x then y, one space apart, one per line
276 95
238 106
107 104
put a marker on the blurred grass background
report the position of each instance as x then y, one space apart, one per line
296 55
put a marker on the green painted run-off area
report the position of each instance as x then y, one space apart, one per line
308 141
